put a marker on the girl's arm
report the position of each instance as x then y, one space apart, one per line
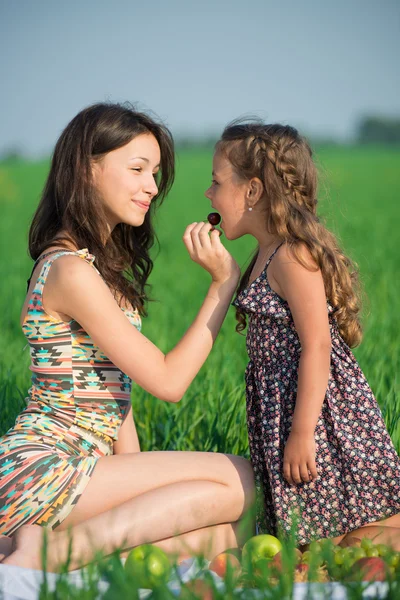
305 293
75 289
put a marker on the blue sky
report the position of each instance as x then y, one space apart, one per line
318 65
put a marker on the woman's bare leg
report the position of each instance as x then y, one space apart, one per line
208 541
5 546
146 497
119 478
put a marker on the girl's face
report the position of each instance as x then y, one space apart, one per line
125 180
227 194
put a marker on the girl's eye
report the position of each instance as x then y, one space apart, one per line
138 169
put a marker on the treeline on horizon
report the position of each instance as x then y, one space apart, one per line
370 130
373 130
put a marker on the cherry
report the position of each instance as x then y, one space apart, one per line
214 218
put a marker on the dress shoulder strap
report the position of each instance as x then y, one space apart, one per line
84 253
273 254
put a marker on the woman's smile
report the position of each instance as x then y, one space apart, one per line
143 205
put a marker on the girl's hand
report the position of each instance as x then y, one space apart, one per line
205 248
299 459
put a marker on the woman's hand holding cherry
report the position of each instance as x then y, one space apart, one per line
205 248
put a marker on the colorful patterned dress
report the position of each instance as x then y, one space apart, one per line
358 467
77 402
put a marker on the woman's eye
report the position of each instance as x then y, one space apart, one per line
138 169
213 182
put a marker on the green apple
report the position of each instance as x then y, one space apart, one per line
148 565
262 546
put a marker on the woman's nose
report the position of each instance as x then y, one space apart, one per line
207 193
151 187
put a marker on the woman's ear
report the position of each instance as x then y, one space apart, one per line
94 170
255 191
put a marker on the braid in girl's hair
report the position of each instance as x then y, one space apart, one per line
282 160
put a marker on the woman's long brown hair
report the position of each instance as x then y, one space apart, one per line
70 203
282 160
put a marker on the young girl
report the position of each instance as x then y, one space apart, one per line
318 443
72 459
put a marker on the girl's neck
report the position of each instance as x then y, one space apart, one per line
267 241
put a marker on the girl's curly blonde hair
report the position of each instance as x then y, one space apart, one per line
282 160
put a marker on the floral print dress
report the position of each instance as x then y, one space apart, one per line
358 467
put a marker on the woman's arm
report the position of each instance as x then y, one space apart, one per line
128 440
305 293
75 289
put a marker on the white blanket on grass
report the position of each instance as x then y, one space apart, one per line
17 583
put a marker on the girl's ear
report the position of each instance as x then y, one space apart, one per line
255 191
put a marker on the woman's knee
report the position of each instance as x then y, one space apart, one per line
245 479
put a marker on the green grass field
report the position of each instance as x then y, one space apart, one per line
359 198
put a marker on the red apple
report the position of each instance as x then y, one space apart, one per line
235 552
370 568
199 588
276 563
301 573
219 564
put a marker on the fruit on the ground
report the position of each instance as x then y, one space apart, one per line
276 562
370 569
263 546
197 588
298 554
358 553
367 543
394 560
148 565
236 552
301 572
219 564
315 547
214 218
340 556
383 549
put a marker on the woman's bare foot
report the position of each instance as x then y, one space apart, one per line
26 550
5 546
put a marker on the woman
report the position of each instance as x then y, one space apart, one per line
72 460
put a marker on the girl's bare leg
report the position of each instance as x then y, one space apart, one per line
379 534
145 497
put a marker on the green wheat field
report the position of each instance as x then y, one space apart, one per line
359 199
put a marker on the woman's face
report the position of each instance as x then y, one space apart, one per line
227 194
125 180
